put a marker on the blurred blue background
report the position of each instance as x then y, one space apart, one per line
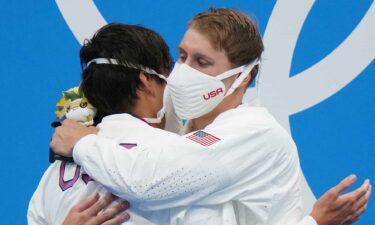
40 59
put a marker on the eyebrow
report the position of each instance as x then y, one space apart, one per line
211 60
196 55
180 49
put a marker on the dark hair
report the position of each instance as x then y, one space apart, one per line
113 88
233 31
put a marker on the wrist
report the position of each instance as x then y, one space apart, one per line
317 218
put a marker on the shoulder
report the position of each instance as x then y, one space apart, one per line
247 120
51 172
245 117
124 128
251 126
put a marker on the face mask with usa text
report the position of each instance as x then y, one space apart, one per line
195 93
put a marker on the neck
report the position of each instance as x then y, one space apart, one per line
143 109
201 122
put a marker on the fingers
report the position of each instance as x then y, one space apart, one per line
119 207
358 201
114 214
87 203
54 141
101 204
366 198
90 211
93 129
358 213
357 194
68 122
117 220
355 217
369 192
333 208
364 195
344 184
67 135
71 124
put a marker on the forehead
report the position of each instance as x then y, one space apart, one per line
195 42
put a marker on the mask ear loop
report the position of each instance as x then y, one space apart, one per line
159 116
161 113
102 61
230 73
254 99
115 62
242 76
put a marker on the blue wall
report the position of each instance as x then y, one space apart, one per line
40 59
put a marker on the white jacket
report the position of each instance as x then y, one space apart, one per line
244 169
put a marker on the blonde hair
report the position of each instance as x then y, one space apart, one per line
232 31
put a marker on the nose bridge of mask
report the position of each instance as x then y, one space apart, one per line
130 65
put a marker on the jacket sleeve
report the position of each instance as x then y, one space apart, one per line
151 177
243 165
307 220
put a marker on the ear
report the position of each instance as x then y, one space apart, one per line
245 81
250 77
147 84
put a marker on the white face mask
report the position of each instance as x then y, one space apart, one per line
195 94
160 114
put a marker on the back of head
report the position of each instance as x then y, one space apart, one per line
113 88
232 31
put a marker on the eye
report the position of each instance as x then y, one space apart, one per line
181 58
83 104
202 62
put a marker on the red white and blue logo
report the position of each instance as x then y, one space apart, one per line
203 138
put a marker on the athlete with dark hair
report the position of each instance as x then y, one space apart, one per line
111 89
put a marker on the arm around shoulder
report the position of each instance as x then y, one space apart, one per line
152 177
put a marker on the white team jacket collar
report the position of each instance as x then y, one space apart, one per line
122 117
